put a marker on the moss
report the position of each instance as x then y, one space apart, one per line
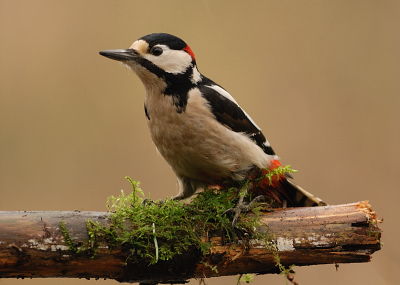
277 172
67 239
163 230
160 231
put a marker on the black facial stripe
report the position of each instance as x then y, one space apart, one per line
151 67
178 85
230 114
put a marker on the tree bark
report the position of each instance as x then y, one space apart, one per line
32 245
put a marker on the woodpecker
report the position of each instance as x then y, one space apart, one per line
197 126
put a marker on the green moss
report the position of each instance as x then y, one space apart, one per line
277 172
162 230
67 239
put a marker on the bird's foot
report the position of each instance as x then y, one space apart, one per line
242 206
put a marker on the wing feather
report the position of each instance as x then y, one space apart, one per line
229 113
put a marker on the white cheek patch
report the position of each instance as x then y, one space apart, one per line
225 93
171 61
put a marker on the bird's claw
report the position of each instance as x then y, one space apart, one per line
242 207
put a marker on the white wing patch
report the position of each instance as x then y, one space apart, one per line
223 92
266 143
226 94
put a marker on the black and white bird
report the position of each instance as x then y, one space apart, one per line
196 125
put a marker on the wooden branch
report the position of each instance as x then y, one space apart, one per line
32 245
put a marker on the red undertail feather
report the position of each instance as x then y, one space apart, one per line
274 188
281 189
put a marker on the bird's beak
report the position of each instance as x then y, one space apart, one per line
120 54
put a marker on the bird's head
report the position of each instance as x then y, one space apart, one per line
160 60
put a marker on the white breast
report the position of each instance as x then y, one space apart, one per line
196 145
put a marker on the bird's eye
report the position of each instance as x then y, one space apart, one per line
156 51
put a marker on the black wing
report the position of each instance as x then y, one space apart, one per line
229 113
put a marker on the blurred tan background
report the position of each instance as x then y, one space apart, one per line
321 78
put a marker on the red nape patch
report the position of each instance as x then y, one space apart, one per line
190 52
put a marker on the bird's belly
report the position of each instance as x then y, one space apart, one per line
196 145
190 148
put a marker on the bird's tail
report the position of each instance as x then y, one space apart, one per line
282 189
300 197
